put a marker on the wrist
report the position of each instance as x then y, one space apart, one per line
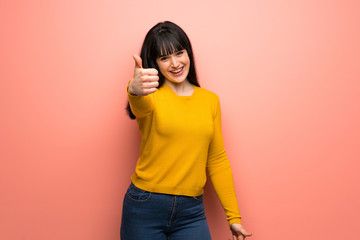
129 89
235 220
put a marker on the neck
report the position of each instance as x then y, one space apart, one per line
184 88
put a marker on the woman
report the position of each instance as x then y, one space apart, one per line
180 126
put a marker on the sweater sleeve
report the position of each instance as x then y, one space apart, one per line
141 106
220 173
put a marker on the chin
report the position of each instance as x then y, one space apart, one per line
178 81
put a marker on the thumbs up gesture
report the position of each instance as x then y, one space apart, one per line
144 81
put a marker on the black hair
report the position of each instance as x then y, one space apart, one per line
165 38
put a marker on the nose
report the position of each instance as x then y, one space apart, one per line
174 62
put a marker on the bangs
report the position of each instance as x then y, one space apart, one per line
166 44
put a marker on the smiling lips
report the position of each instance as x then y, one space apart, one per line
177 71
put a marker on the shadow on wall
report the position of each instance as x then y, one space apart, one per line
214 212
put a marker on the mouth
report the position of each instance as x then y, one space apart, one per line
177 71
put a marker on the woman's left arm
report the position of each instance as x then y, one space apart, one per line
220 173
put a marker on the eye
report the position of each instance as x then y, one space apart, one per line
163 58
179 53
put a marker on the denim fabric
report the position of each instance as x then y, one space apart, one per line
154 216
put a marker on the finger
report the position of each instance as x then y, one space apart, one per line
149 71
149 90
138 61
241 235
150 84
245 233
150 78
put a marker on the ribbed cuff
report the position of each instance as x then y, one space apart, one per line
234 220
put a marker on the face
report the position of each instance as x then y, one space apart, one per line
175 67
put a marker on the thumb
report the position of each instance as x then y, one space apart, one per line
138 61
246 234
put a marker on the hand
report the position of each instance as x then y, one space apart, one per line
238 231
144 81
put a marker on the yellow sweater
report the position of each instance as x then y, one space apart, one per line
180 138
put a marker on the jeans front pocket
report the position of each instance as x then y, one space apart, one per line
137 194
199 198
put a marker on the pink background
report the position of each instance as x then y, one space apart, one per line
287 73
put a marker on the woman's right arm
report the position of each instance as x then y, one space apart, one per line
143 83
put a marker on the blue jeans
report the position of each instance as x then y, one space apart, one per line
155 216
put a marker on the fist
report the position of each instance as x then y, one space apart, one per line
144 81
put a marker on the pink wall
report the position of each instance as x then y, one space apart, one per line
287 73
